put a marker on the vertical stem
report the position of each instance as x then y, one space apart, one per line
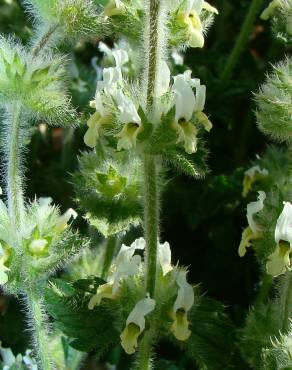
13 170
15 140
286 301
110 248
153 53
151 220
144 356
38 323
154 9
241 40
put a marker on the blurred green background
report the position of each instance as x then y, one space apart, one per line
202 219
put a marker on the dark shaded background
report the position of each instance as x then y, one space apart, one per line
201 219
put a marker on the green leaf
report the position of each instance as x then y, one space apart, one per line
261 325
90 330
212 342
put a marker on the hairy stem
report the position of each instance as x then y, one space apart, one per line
151 220
153 54
241 40
43 41
144 355
286 301
38 323
153 45
13 169
155 37
110 248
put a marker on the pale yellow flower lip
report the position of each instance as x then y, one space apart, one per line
279 261
135 324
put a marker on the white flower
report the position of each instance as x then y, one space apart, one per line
164 257
126 264
182 304
254 208
252 175
185 100
186 103
279 261
128 111
130 118
135 324
112 76
121 57
253 231
112 79
283 229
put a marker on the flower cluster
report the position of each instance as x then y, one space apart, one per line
120 108
36 238
188 22
35 83
128 264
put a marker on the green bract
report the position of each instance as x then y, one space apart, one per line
110 192
274 102
34 82
75 18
